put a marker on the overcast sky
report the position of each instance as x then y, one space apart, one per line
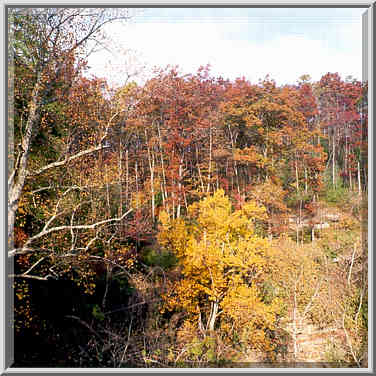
284 43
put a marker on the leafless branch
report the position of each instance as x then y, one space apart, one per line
34 265
67 159
78 227
26 248
28 277
348 340
86 325
127 344
313 297
351 266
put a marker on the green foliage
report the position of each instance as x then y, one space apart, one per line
208 351
295 199
268 292
335 355
364 311
334 194
162 258
330 252
158 199
335 243
97 313
124 285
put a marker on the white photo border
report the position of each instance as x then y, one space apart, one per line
368 70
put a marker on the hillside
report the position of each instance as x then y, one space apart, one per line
185 221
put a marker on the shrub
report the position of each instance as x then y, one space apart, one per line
162 258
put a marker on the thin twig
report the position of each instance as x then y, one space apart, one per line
351 266
126 346
348 339
86 325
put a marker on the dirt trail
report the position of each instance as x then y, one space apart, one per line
312 343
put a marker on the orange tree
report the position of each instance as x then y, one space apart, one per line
223 266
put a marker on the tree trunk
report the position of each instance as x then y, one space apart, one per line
137 198
295 329
210 158
350 175
300 219
16 181
107 286
126 177
213 315
199 171
151 168
359 181
179 187
296 174
164 190
120 210
297 233
152 188
108 197
346 153
334 161
234 164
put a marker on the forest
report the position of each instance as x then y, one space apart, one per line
188 221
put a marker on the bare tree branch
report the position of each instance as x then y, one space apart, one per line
67 159
28 277
27 248
86 325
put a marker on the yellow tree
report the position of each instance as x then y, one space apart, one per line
224 263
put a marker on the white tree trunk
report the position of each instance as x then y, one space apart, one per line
164 191
296 174
213 315
179 187
16 181
359 181
210 159
334 162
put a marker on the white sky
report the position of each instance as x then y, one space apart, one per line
284 43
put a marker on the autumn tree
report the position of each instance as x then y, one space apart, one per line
175 122
48 48
69 217
223 264
342 121
271 134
